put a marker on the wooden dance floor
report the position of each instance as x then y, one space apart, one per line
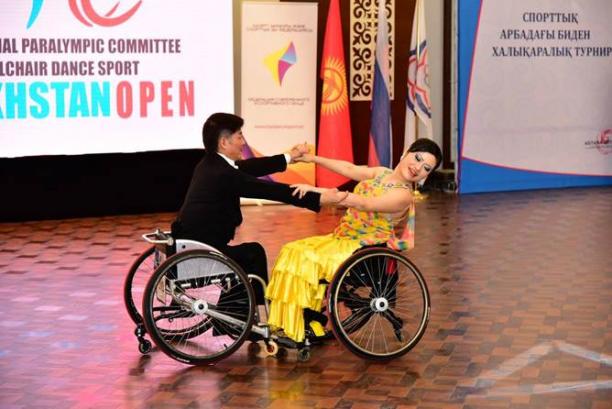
521 289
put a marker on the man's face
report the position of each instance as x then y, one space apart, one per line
231 145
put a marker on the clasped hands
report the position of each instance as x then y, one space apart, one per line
299 153
328 196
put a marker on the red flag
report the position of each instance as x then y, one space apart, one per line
335 139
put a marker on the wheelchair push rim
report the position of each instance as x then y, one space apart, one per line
198 307
379 304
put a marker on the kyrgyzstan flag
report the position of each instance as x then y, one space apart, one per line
335 139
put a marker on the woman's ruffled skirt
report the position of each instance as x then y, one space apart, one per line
294 283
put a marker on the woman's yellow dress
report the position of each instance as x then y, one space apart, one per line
294 283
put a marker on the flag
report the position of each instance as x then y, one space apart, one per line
380 146
335 140
418 105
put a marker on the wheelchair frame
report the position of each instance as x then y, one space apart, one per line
351 289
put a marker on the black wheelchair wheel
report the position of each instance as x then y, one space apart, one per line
198 307
378 304
140 272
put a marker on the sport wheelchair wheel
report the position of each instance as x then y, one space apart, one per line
198 307
378 304
140 272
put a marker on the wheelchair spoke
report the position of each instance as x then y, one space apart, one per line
179 314
358 275
350 298
385 342
356 320
388 277
372 279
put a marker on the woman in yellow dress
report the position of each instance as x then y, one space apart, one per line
380 211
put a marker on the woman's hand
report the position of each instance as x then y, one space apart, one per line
298 151
332 196
306 158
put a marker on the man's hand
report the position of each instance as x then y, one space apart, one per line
332 197
298 151
301 189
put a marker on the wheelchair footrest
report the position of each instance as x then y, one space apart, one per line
287 343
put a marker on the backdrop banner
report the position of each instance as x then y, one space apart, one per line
535 94
279 64
101 76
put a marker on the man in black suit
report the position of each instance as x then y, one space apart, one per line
211 210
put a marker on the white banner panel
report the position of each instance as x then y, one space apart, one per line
96 76
279 63
540 96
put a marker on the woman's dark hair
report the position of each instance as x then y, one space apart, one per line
218 125
429 146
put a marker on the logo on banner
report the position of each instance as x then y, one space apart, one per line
603 142
84 11
280 61
334 96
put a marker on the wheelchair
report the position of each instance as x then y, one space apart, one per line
198 306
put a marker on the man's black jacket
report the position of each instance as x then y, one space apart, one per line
211 210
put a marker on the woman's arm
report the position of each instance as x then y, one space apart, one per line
343 168
395 201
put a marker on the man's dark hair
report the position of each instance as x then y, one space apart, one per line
429 146
218 125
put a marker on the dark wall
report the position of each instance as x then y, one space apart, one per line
53 187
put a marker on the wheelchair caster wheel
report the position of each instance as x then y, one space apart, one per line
254 348
144 347
282 353
303 354
271 348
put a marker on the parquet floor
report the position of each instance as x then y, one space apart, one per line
521 287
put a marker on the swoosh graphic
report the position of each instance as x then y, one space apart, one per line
77 13
107 22
36 6
110 13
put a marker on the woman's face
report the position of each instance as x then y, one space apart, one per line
416 166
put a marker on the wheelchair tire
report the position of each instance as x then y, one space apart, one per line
140 271
181 296
378 304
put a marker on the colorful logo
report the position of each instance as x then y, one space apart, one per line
280 61
418 81
334 97
603 142
84 11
